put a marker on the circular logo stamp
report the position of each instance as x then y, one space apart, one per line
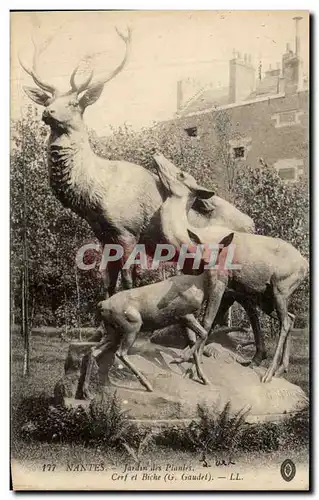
288 470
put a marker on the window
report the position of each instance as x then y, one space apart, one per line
240 147
287 118
239 152
191 132
287 174
289 169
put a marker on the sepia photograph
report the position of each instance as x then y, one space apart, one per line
159 250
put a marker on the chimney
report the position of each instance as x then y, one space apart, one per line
259 70
291 63
242 76
281 84
273 72
297 38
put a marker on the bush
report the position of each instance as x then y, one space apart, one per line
106 425
213 433
260 437
229 432
103 424
209 433
295 429
279 210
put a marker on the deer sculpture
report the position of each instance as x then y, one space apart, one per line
174 234
270 269
117 198
164 303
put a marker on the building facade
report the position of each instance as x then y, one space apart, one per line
269 118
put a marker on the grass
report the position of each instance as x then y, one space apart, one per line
54 331
39 429
299 358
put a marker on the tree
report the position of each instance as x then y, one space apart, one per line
223 131
53 234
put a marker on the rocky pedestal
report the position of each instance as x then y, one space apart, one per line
175 394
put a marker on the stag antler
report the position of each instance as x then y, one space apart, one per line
79 88
33 72
97 83
127 40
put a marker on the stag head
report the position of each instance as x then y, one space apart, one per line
65 110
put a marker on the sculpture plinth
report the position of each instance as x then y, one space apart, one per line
175 395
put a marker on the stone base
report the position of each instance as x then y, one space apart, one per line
175 396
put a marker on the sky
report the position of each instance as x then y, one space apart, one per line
166 46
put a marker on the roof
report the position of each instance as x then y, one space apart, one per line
207 98
210 97
269 85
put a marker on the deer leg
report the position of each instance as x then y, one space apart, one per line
95 352
134 276
215 295
113 272
128 242
227 301
283 368
127 343
191 342
110 281
252 314
85 387
199 370
127 279
191 322
285 322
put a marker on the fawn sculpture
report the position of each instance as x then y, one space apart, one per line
270 269
174 233
117 198
146 308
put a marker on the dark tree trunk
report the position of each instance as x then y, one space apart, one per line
25 321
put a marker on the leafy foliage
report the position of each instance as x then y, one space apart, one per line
103 423
142 441
259 437
106 424
296 430
228 432
60 294
213 433
53 235
281 211
140 146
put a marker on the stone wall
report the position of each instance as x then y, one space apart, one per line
274 129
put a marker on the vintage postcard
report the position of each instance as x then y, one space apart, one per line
160 250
